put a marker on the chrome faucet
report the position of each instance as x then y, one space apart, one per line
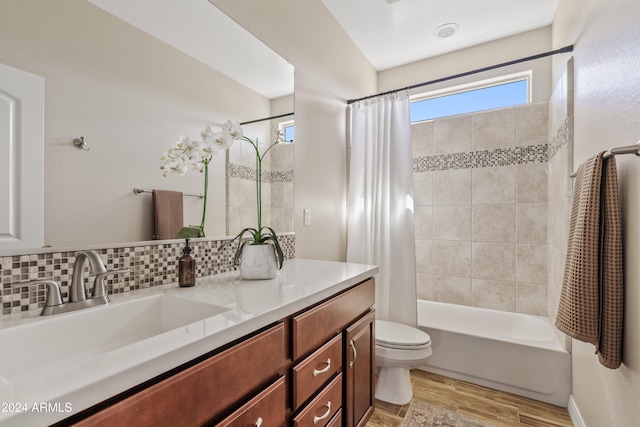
77 292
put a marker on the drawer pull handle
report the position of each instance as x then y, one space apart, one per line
317 372
325 415
258 422
355 354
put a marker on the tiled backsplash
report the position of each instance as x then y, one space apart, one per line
149 265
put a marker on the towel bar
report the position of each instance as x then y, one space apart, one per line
142 190
627 149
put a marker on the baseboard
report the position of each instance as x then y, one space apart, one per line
574 413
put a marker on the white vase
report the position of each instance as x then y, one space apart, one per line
258 262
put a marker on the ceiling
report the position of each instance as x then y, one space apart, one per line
391 33
202 31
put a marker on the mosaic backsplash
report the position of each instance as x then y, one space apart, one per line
148 264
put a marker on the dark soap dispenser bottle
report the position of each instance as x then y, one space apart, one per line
186 268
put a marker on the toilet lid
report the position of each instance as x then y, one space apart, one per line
398 335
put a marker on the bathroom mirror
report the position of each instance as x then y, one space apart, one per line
115 77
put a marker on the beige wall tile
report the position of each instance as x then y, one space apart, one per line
423 188
494 129
531 223
452 258
531 183
495 295
452 135
494 261
494 223
532 124
531 299
532 264
424 256
424 286
454 290
452 187
452 222
423 219
496 185
422 138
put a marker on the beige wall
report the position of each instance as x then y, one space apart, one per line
473 58
328 71
607 106
130 96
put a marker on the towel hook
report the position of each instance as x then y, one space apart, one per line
80 144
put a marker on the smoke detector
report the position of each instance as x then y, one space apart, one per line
446 30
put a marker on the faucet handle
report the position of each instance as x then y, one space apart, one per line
99 289
54 295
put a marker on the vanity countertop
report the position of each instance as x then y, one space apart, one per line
42 396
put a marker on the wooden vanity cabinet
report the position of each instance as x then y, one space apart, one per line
335 341
199 394
314 368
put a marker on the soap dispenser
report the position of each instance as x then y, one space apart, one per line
186 268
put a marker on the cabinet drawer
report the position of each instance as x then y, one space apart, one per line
316 370
315 326
336 421
266 409
321 409
198 393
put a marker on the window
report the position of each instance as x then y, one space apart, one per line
484 95
287 129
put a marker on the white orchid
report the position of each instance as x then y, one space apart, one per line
198 154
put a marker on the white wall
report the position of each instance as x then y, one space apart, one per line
130 96
607 107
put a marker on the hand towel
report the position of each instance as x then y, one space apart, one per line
592 297
167 213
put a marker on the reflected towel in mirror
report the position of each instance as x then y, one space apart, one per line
167 213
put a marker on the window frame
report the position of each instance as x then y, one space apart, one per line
475 85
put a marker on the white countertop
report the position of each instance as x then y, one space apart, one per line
45 396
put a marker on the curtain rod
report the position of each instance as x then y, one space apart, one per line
468 73
266 118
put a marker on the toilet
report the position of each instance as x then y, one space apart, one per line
399 348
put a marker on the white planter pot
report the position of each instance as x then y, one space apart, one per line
258 262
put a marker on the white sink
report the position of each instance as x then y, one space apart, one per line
54 343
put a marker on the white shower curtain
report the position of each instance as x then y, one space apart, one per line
380 223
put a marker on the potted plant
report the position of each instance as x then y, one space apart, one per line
258 252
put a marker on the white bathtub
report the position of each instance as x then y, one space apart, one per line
516 353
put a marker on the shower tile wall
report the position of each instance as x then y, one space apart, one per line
480 191
277 188
560 186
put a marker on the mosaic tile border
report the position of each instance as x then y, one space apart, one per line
149 265
483 159
560 139
248 173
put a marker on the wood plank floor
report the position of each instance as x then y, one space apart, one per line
500 408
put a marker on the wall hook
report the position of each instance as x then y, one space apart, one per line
80 144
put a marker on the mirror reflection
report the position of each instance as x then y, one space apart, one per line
129 96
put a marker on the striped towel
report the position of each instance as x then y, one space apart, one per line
592 297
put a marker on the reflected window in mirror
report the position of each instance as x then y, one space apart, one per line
287 130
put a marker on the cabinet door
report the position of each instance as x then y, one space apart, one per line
359 368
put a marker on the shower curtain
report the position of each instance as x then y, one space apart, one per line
380 221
